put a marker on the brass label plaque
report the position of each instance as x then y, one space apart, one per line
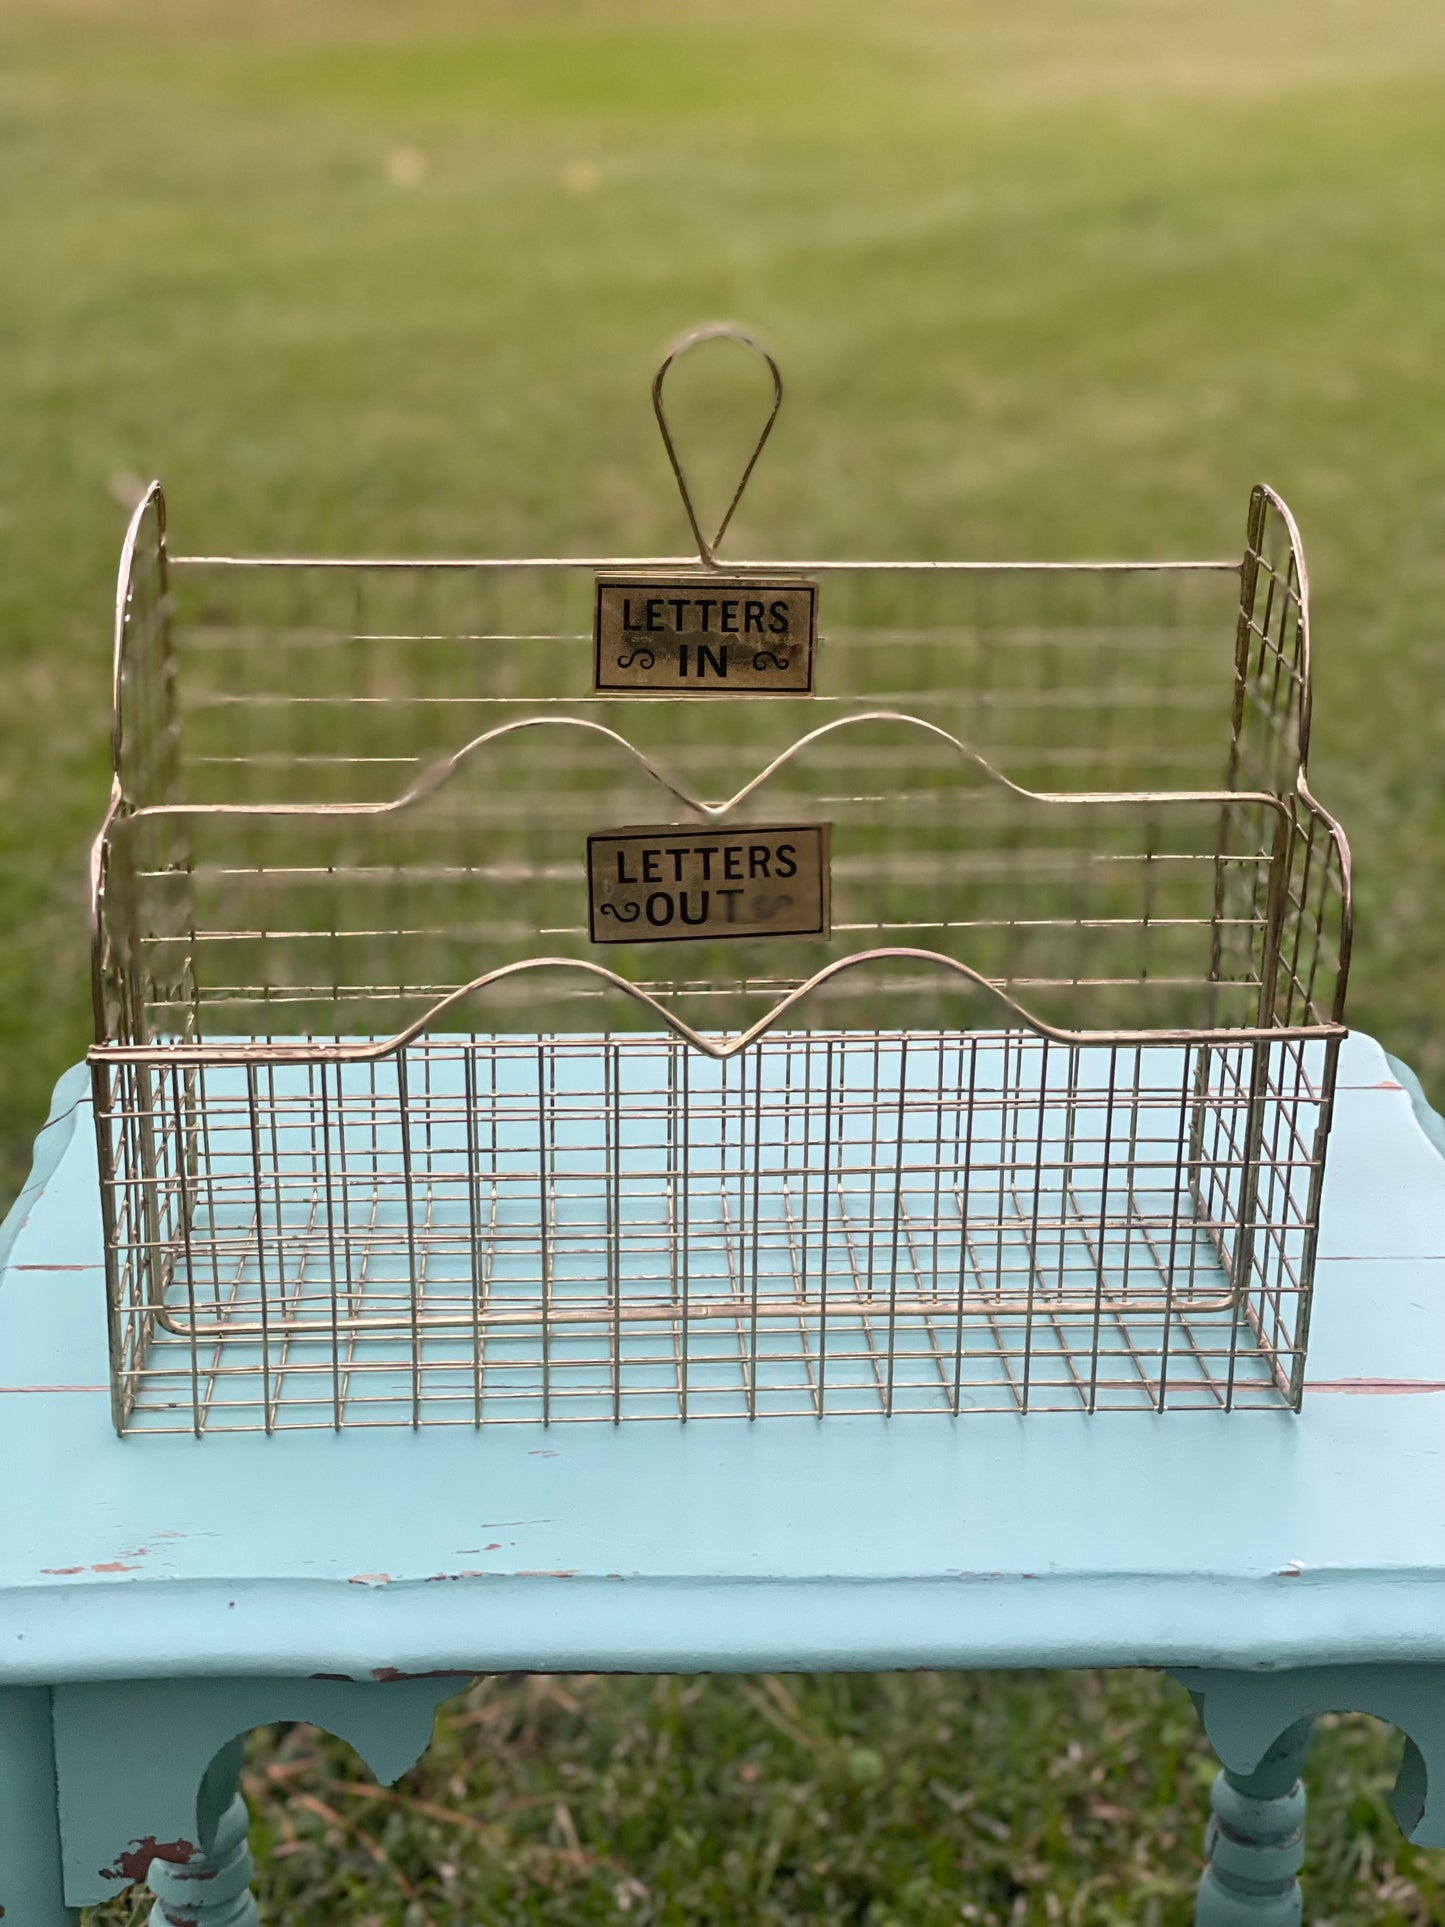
672 884
703 635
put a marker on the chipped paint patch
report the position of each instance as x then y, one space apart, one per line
106 1565
135 1863
369 1579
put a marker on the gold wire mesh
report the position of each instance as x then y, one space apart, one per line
1041 1124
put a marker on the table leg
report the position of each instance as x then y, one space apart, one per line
1258 1724
211 1888
1254 1844
30 1869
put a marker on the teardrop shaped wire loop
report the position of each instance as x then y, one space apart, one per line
715 331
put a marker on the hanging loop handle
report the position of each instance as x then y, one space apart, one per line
716 331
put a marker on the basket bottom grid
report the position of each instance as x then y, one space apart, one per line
984 1233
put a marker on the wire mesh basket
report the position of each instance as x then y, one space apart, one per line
1028 1111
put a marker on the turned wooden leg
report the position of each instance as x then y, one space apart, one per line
30 1866
211 1888
1254 1843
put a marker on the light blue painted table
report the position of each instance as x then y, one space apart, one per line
161 1596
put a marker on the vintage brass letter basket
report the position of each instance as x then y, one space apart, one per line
1012 1094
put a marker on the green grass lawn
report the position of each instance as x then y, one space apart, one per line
1046 280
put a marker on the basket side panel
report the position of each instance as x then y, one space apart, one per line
1317 927
145 737
1270 746
1256 1158
148 1173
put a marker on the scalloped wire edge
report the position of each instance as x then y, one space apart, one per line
440 773
719 1049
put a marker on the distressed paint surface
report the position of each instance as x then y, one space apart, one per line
147 1771
212 1889
1053 1540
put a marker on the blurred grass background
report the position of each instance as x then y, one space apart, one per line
1046 281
